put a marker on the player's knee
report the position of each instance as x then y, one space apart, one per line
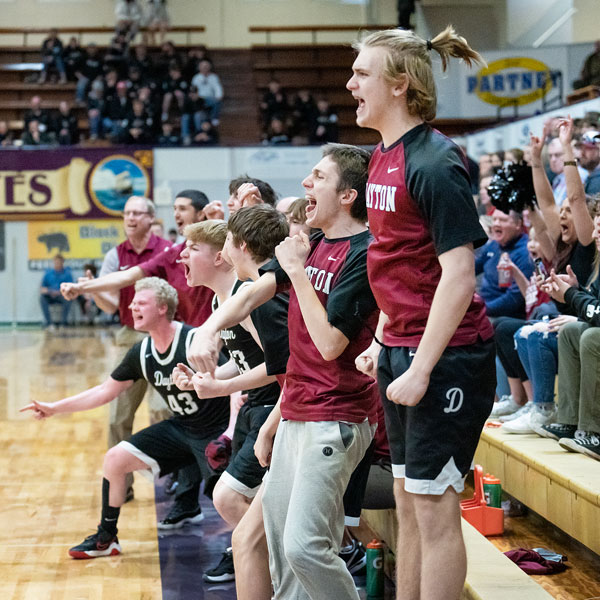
115 461
297 554
222 498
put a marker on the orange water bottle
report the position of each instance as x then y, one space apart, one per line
504 272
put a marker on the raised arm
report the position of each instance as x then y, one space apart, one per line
107 283
543 190
583 222
547 245
203 353
92 398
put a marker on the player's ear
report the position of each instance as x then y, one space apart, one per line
348 197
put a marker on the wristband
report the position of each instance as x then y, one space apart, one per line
570 163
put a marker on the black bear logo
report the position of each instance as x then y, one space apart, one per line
55 240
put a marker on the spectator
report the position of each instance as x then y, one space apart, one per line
507 236
556 160
142 61
485 165
168 137
514 156
405 9
128 17
50 291
324 128
65 127
116 112
90 70
590 72
95 109
87 306
173 235
194 56
194 114
34 137
174 86
303 113
274 103
73 55
497 159
156 20
158 228
52 57
296 217
207 136
590 160
485 206
134 81
139 125
37 113
209 89
117 54
6 137
277 134
167 56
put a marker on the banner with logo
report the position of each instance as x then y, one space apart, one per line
79 242
72 183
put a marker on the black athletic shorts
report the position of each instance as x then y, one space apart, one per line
167 446
433 443
244 473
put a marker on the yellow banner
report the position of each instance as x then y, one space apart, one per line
76 240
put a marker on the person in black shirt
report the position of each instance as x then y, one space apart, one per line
168 137
164 446
174 86
37 113
194 113
73 56
52 57
324 127
116 111
207 136
140 126
89 69
142 61
65 125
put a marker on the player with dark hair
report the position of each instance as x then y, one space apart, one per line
164 446
436 358
328 408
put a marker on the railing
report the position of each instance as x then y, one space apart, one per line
314 29
80 31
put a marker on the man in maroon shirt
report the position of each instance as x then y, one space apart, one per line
328 408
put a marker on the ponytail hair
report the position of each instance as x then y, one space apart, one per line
408 54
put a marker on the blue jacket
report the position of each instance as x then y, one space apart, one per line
52 279
503 302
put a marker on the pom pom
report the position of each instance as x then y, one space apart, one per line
511 188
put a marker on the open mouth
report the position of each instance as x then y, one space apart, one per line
361 103
311 206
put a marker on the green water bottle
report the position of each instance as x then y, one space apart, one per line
492 490
374 570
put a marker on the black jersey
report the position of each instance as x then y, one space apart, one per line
143 361
247 354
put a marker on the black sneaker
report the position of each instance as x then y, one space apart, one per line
178 518
355 558
223 571
101 543
585 442
555 431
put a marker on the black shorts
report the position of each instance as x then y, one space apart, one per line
167 446
244 473
355 491
433 443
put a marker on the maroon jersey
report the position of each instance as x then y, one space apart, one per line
194 302
316 389
128 258
420 205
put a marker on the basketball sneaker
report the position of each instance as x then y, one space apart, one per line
224 571
178 518
505 406
101 543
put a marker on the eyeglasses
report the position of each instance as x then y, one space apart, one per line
134 213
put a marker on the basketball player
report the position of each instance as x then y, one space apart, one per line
327 410
436 358
262 228
164 446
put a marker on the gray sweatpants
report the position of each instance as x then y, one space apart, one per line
303 507
579 376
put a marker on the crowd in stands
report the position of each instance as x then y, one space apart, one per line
545 315
299 119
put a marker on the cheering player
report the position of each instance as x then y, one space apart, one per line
436 360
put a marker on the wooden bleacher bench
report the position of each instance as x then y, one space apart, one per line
561 486
490 574
589 92
314 29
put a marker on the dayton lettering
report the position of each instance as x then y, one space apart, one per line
381 197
